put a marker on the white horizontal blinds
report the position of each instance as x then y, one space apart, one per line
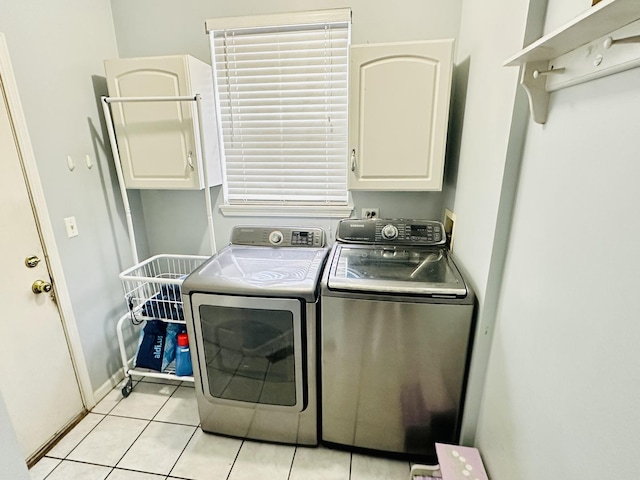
283 105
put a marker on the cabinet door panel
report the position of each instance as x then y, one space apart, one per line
398 114
157 135
156 140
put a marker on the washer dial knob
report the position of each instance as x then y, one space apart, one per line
276 237
389 232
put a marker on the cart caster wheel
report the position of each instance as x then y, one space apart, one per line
126 390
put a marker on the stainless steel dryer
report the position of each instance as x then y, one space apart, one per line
251 314
396 321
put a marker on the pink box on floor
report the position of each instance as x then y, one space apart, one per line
460 463
454 463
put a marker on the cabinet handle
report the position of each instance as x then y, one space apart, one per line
190 162
353 160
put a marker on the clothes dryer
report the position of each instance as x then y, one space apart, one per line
251 313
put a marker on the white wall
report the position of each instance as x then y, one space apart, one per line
489 121
12 465
163 27
560 13
487 37
176 27
56 49
562 387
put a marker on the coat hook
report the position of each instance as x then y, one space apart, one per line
608 42
538 73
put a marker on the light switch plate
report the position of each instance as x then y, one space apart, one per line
72 227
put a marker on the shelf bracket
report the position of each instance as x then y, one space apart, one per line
534 85
581 51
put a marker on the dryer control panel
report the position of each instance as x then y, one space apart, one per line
278 236
397 231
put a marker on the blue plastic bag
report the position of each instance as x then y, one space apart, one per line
150 352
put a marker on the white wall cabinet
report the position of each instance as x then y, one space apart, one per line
399 97
159 142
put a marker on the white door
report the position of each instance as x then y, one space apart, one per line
37 377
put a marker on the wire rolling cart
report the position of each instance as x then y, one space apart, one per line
153 291
152 288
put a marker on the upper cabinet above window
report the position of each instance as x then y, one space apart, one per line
399 97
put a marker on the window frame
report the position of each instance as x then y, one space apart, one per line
273 208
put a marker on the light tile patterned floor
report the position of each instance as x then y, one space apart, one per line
153 435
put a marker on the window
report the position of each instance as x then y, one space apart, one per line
281 84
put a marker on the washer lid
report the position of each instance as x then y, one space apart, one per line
387 269
263 271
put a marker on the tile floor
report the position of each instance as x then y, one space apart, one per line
153 434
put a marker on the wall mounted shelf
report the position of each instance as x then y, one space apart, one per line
602 41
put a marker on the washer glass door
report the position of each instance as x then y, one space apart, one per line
250 350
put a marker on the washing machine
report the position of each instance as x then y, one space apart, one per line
252 312
396 330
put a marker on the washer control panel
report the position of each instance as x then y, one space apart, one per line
278 236
397 231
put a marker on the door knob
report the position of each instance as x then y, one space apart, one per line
31 261
40 286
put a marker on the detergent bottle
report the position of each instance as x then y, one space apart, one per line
183 356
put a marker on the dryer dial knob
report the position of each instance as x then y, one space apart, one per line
389 232
276 237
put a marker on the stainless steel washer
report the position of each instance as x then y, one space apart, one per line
251 314
396 321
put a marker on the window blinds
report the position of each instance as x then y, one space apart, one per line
282 98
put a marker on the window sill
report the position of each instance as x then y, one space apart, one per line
329 211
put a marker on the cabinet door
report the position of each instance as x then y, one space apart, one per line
156 140
398 115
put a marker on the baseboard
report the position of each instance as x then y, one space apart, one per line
109 385
37 456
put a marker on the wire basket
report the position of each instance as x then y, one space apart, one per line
152 288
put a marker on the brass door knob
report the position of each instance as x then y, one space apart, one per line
40 286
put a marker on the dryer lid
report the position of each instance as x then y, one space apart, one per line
262 271
394 269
